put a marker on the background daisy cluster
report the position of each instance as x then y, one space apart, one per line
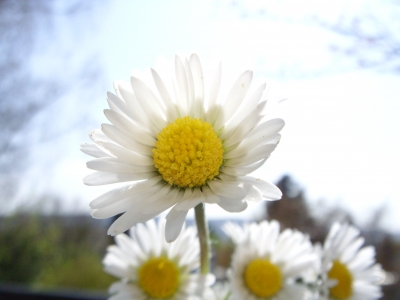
266 263
337 64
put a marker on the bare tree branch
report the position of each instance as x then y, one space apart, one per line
373 35
27 27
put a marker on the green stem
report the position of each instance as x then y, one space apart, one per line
204 239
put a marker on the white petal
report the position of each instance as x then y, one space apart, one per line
118 207
128 219
160 104
162 202
125 141
121 84
172 112
261 134
234 99
148 103
175 220
113 165
190 199
239 151
349 253
245 109
252 156
245 127
234 232
190 86
266 131
227 190
198 82
267 189
252 193
97 134
212 107
232 205
138 115
118 105
129 128
93 150
141 237
130 250
154 237
210 196
101 178
242 171
296 269
127 155
123 192
181 92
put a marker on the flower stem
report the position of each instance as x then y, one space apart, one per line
204 239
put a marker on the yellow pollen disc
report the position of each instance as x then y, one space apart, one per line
263 278
159 277
344 287
188 153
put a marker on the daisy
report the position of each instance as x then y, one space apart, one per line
349 271
266 263
180 146
150 268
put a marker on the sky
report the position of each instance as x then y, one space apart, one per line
341 139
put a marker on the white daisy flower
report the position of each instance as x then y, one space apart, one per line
349 271
150 268
180 146
266 263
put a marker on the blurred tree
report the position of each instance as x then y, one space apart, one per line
372 32
36 73
292 210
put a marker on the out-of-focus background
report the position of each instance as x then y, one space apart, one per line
333 70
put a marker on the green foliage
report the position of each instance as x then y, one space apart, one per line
48 252
83 271
23 247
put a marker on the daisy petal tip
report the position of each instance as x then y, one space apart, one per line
113 232
282 122
153 72
170 239
277 196
171 235
86 181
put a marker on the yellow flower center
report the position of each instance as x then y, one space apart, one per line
263 278
159 277
344 287
188 153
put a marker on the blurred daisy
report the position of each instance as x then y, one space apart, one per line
180 148
150 268
349 271
266 264
219 291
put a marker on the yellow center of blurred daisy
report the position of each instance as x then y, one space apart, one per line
343 289
263 278
188 153
159 277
